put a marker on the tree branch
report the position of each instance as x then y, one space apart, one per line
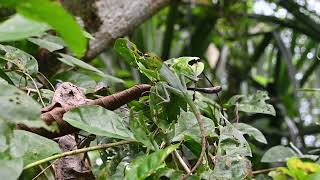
111 102
108 20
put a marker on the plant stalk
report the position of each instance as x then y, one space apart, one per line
74 152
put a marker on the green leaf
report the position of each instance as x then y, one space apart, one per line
57 17
5 77
18 27
148 64
98 120
3 143
232 142
138 131
254 103
263 81
314 176
109 79
181 66
188 126
278 154
151 61
146 165
157 110
166 172
45 43
127 50
10 169
17 107
32 147
251 131
77 78
276 175
172 108
151 74
229 167
71 61
171 77
21 59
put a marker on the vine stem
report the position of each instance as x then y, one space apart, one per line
74 152
197 114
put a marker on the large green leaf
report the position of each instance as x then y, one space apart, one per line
146 165
278 154
98 120
139 132
229 167
17 107
10 169
253 103
188 126
232 142
18 27
56 16
21 59
231 161
79 63
31 147
251 131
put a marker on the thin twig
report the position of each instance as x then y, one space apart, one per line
212 157
183 164
28 89
44 170
44 77
264 170
74 152
35 84
295 149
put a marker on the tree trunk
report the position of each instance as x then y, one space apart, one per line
108 20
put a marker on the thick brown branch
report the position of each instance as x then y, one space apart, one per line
111 102
108 20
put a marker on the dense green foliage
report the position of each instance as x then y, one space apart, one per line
263 124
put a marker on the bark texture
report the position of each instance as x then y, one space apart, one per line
108 20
